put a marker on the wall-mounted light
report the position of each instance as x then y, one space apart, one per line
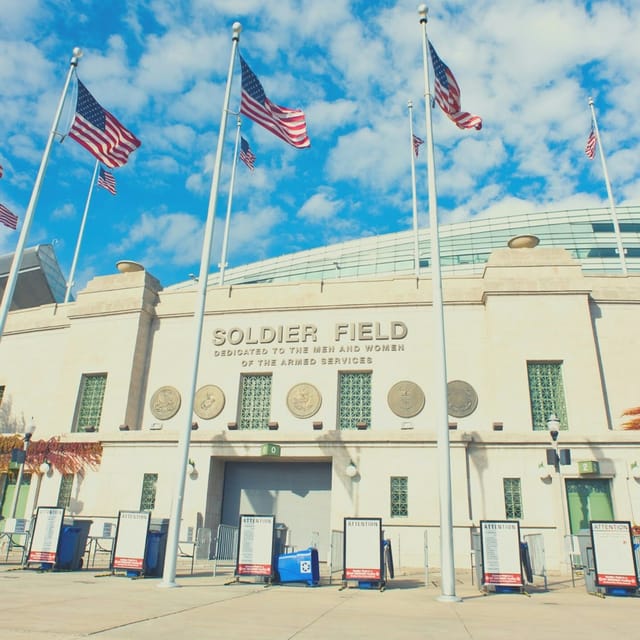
45 467
361 425
635 470
317 425
453 425
232 426
192 465
351 470
156 426
194 426
498 426
553 425
273 425
124 427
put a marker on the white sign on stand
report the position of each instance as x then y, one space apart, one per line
255 546
613 556
363 549
500 544
46 535
131 540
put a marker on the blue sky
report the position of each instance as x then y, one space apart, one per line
527 67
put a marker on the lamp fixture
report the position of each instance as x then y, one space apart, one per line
194 426
361 424
232 426
45 467
351 470
553 425
273 425
124 427
635 470
317 425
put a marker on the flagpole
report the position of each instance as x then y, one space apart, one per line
72 273
225 239
169 573
447 566
416 248
614 215
12 279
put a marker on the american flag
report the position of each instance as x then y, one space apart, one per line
448 95
416 144
287 124
246 155
107 181
590 149
8 218
100 133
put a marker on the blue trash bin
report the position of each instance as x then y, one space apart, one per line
155 546
301 566
67 548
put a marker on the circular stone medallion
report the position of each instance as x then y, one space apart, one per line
209 402
303 400
165 403
462 399
405 399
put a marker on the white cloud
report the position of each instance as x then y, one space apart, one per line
321 207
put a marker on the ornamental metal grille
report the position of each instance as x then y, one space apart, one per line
512 498
148 497
399 497
92 389
64 494
255 401
354 399
546 393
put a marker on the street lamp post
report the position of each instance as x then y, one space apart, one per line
23 456
558 457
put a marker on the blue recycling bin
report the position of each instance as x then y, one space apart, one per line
301 566
67 547
154 552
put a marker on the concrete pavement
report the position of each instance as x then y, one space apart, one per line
93 603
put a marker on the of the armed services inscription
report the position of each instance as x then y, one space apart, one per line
346 343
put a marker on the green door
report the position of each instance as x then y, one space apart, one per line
9 492
588 500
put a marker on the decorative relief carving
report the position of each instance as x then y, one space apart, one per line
165 403
462 399
304 400
406 399
209 402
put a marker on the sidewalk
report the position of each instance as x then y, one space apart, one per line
88 603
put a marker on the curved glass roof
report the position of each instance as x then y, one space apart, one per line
587 234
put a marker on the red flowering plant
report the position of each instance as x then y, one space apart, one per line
633 419
64 457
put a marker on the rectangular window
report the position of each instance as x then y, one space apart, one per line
255 401
1 392
354 399
148 497
512 498
64 494
399 497
546 394
90 399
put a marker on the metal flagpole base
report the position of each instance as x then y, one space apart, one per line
449 599
168 585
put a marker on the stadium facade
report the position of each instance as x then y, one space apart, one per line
315 388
